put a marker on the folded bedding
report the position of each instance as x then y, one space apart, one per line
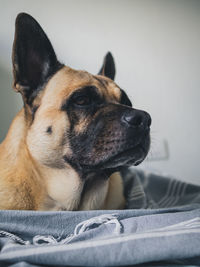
159 227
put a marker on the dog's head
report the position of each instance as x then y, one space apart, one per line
73 117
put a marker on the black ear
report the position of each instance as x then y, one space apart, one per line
108 67
34 59
124 99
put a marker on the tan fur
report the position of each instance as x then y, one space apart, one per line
24 181
113 89
115 197
21 186
64 189
104 194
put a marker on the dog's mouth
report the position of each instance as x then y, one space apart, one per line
130 155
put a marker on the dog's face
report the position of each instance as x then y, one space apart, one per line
73 117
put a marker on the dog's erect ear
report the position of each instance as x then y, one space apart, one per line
34 59
124 99
108 67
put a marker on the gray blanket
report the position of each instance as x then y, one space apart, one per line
160 227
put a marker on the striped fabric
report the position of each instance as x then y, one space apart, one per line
150 190
160 227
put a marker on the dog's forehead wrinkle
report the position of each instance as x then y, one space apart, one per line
90 90
67 81
110 88
64 83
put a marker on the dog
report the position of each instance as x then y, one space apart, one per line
65 148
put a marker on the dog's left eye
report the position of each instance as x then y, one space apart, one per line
82 100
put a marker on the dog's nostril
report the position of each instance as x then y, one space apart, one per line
136 120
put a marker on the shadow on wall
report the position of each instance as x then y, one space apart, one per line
9 101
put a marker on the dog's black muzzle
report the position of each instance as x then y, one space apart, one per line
118 136
134 139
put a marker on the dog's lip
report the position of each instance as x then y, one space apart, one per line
134 152
132 156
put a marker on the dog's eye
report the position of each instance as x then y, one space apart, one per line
82 100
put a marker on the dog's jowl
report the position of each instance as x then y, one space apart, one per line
65 148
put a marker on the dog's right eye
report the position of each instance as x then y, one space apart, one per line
82 100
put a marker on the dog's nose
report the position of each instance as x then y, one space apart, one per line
138 119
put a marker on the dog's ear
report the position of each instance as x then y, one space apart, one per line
108 67
125 99
34 59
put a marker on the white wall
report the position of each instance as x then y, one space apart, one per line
156 47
